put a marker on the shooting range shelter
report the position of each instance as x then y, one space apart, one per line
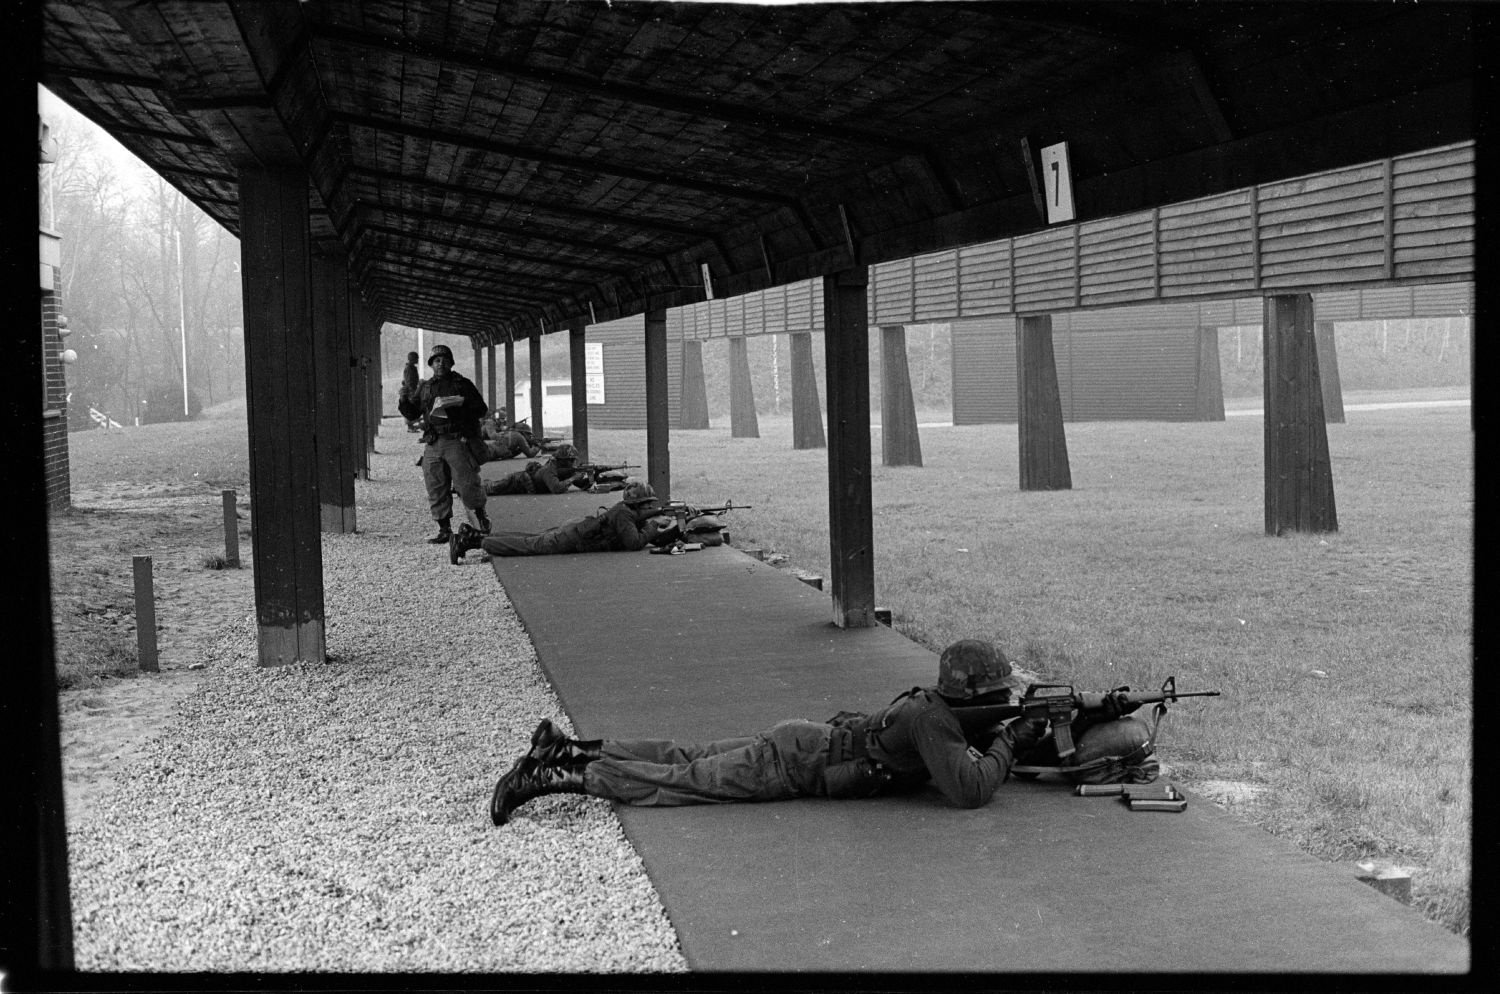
528 168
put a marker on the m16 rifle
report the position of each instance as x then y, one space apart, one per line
673 537
1059 704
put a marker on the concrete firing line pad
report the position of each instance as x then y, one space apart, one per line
713 643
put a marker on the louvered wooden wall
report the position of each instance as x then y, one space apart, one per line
1398 221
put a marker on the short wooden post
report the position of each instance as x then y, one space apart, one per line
807 411
900 442
1043 445
231 531
692 412
743 422
145 614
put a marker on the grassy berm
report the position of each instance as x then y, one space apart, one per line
1345 659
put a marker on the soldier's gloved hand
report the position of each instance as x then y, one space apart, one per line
1025 733
1115 705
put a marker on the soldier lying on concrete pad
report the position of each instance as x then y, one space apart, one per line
917 739
625 526
558 475
502 441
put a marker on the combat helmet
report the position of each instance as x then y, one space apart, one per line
440 350
970 667
637 492
565 452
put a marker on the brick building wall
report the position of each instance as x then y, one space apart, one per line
55 403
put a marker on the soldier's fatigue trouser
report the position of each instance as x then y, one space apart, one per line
786 761
448 465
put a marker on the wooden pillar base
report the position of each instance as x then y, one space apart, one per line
743 422
900 442
1043 444
1299 473
807 411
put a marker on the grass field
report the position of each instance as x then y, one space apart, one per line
1345 659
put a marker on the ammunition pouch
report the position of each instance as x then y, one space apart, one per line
850 772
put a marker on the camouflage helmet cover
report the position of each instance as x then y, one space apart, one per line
566 452
440 350
970 667
637 492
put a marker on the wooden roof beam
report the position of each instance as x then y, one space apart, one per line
551 207
509 231
792 126
509 277
52 73
382 271
460 140
479 246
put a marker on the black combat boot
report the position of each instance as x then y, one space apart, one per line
445 531
467 537
550 746
483 519
529 779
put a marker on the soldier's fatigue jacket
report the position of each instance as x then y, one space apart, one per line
449 461
915 739
462 420
609 529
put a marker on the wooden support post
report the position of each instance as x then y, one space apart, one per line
145 614
658 437
1299 474
692 412
231 531
367 400
478 368
1210 392
1043 446
1328 372
535 352
743 422
851 520
807 410
900 442
578 376
334 405
489 378
285 539
511 414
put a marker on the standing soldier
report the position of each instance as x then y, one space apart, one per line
410 378
450 408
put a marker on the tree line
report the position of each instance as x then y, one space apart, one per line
147 281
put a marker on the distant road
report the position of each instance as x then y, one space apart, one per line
1390 405
1260 412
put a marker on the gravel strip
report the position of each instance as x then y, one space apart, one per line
334 816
